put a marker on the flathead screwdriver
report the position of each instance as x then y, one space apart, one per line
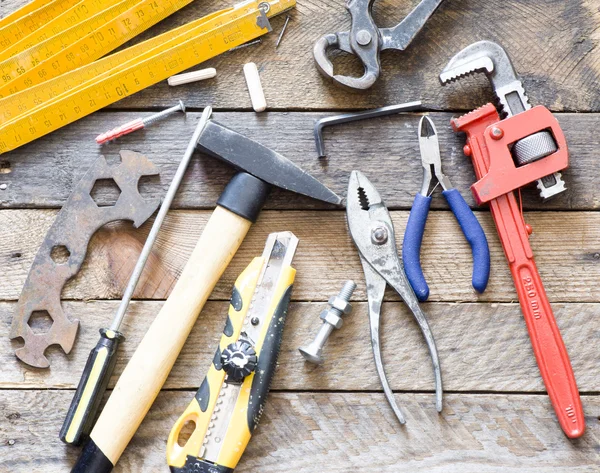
101 362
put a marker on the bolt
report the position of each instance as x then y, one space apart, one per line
379 235
332 319
363 37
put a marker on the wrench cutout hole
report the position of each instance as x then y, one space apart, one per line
60 254
40 322
105 192
185 433
149 186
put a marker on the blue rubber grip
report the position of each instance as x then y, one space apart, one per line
475 236
411 247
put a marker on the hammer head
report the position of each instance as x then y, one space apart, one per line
253 158
491 59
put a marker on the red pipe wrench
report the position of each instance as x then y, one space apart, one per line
507 154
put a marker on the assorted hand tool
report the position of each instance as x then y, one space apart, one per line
356 116
372 231
332 319
64 248
366 41
228 405
508 154
55 68
66 95
101 361
238 206
415 228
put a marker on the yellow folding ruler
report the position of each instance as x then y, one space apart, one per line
57 100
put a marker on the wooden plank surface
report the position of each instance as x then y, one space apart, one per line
334 418
325 259
483 347
333 432
43 173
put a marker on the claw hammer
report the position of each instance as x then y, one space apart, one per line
237 208
507 154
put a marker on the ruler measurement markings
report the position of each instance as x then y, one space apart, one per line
19 29
123 83
30 58
13 105
75 15
100 42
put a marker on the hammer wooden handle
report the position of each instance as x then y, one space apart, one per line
151 363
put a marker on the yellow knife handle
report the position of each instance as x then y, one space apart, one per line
200 409
255 387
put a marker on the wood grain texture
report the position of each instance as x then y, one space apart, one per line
326 256
43 173
552 44
334 432
482 347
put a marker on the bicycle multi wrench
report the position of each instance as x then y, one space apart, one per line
508 154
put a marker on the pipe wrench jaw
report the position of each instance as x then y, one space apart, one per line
488 135
491 59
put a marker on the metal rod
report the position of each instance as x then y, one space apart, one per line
352 117
164 208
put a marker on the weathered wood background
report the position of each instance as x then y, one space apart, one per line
334 418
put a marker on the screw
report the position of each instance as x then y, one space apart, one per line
332 319
138 124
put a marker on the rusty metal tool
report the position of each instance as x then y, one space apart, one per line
372 231
238 206
356 116
508 154
366 41
62 253
101 361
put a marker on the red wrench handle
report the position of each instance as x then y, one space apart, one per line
549 349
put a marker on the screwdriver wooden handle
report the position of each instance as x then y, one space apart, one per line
151 363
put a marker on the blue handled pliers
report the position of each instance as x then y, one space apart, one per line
413 237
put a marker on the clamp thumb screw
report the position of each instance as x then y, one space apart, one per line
332 319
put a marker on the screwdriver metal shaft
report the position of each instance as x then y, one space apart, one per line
101 362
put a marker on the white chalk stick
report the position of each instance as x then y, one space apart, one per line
192 76
257 95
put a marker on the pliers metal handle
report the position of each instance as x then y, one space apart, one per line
415 228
